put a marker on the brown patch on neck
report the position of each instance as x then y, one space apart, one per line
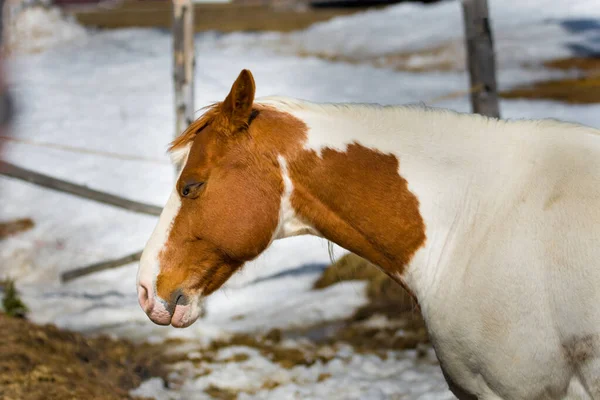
355 198
358 200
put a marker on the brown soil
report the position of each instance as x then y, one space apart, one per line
44 362
581 90
219 393
10 228
587 64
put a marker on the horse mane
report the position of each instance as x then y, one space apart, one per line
179 147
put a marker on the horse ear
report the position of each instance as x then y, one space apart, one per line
237 107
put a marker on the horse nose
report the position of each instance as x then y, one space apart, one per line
156 310
145 296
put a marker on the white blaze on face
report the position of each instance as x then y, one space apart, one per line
149 263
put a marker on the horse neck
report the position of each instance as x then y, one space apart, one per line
395 185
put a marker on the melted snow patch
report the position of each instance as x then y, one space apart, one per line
347 376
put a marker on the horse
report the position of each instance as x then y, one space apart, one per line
493 226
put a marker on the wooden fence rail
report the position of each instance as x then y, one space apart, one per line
13 171
101 266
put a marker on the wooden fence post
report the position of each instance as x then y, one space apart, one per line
183 63
481 58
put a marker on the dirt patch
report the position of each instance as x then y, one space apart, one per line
574 91
586 64
584 89
406 331
207 17
373 335
10 228
220 393
267 346
45 362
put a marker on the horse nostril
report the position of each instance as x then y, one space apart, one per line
181 300
144 296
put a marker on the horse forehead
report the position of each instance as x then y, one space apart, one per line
205 147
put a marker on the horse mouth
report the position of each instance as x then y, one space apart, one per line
186 312
181 316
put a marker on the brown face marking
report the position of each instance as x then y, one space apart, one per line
354 198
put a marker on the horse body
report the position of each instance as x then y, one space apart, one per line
494 226
512 211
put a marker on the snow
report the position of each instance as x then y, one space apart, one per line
348 376
551 30
111 91
37 28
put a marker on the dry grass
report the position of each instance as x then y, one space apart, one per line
582 90
386 298
382 291
446 57
406 331
587 64
449 57
10 228
219 393
269 347
44 362
219 17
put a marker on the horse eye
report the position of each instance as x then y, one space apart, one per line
191 189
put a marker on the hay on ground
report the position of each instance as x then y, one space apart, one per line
45 363
584 89
382 291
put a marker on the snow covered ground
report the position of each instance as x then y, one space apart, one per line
524 32
111 91
34 29
402 375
